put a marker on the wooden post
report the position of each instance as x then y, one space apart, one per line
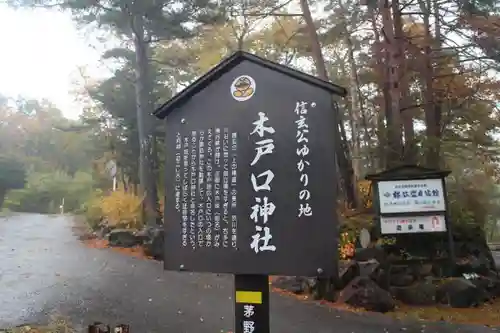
251 304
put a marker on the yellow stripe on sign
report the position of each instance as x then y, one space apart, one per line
249 297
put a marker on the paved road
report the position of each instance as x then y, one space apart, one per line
44 268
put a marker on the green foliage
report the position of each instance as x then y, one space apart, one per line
92 210
37 134
37 141
12 173
45 192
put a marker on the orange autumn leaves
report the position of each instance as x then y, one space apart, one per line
136 251
453 79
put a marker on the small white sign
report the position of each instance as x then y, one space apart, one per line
412 224
364 238
410 196
111 168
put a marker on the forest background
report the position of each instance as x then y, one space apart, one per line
422 77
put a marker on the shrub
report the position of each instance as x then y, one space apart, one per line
120 209
92 210
12 176
347 245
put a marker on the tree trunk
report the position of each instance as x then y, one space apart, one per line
3 193
392 92
317 54
342 150
155 164
432 116
144 122
355 101
379 119
123 181
410 147
438 95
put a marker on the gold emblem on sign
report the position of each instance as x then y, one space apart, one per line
243 88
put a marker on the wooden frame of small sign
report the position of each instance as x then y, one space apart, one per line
412 199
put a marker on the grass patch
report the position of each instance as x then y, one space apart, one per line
5 212
57 324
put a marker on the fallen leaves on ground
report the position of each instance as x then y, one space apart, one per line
488 314
337 306
136 251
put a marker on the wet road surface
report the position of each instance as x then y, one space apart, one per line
44 268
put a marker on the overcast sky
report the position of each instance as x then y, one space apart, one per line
40 54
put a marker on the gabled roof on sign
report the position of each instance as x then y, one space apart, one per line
229 63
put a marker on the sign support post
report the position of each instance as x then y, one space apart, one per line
251 303
112 169
451 243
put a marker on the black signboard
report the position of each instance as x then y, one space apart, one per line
250 176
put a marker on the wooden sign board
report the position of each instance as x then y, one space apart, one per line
251 172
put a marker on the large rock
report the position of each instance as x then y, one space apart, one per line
494 277
479 264
489 283
326 288
123 238
471 245
348 270
103 231
363 292
422 293
422 270
143 235
369 268
461 293
295 284
370 253
496 259
396 276
401 279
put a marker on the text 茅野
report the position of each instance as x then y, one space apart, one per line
248 323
